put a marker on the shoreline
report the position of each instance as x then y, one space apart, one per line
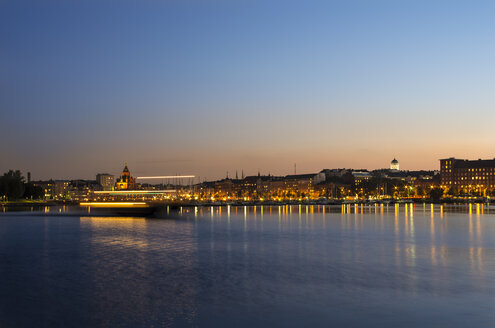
449 201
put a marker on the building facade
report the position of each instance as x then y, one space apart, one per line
106 181
468 176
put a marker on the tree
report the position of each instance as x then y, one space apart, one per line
33 192
12 185
453 191
436 193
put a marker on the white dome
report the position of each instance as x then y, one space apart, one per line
394 165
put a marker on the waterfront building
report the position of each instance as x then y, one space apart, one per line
54 189
47 187
303 183
106 181
224 187
61 189
82 190
126 181
468 176
394 165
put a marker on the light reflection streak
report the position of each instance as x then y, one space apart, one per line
324 217
412 221
470 219
412 239
434 261
396 232
245 218
121 223
261 216
432 232
479 232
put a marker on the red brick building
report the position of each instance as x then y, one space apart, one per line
468 175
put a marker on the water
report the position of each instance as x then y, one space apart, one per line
294 266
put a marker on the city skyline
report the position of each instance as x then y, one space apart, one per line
227 173
247 163
208 87
293 169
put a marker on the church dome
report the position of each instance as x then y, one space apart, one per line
394 165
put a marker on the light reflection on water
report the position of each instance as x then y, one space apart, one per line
301 265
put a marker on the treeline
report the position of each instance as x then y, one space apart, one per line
13 186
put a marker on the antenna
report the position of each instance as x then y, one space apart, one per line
295 168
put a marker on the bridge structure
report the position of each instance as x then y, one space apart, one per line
177 178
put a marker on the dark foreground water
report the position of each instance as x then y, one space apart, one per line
251 267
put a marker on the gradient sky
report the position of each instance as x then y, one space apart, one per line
204 87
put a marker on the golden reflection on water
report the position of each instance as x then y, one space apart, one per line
136 250
412 247
131 233
397 237
116 224
408 224
479 231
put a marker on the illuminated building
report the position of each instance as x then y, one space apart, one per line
467 176
47 187
394 165
126 181
361 176
106 181
303 182
60 189
82 189
54 189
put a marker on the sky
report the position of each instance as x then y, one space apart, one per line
207 87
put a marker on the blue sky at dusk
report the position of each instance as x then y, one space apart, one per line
205 87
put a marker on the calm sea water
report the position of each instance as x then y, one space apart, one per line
305 266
